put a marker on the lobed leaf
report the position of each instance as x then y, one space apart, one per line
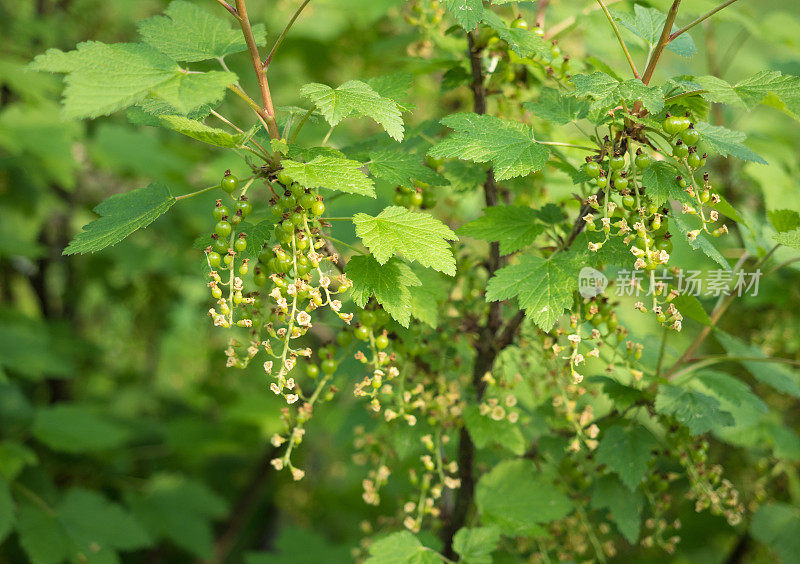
510 146
334 173
416 235
389 283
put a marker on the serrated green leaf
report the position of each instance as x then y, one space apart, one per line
468 13
690 307
485 431
101 79
7 509
334 173
76 428
606 91
41 535
784 220
772 88
614 252
395 87
514 227
355 97
723 141
523 42
648 24
402 169
728 389
661 185
699 412
121 215
557 108
627 451
625 508
542 287
464 176
515 497
389 283
187 92
201 132
789 238
475 545
89 518
189 33
180 510
777 525
426 298
416 235
510 146
781 378
701 243
401 548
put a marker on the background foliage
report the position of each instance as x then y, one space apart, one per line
119 423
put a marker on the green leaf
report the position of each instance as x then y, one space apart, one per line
401 548
690 307
543 287
389 283
334 173
402 169
778 526
557 108
701 243
102 79
189 33
625 508
627 450
515 496
648 24
515 227
768 87
523 42
355 97
416 235
468 13
699 412
475 545
784 220
179 510
425 299
606 91
90 518
74 428
789 238
201 132
660 180
41 535
728 389
510 146
121 215
394 86
778 376
485 431
723 141
7 510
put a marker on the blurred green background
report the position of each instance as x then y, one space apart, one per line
113 387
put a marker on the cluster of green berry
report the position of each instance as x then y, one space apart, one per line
420 197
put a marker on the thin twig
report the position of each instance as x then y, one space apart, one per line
284 32
663 41
700 19
228 7
261 75
619 38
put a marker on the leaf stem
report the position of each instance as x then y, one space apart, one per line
301 124
619 38
193 194
559 144
284 32
261 75
686 28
